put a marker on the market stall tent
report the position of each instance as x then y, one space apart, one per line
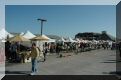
62 40
77 39
39 40
18 38
49 39
22 33
4 34
29 35
71 40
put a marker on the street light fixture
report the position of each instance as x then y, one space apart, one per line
42 20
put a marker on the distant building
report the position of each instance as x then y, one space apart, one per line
96 36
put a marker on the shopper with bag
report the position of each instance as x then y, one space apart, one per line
35 52
40 57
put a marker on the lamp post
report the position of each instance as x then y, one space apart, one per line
42 20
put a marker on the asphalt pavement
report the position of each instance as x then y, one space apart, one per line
95 62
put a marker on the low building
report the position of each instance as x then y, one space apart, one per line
97 36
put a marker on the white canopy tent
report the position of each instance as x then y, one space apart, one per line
77 39
22 33
1 39
82 41
71 40
29 35
85 41
62 40
45 36
49 39
94 41
89 41
4 34
40 43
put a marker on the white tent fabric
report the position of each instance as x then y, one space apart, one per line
41 43
62 40
29 35
4 34
89 41
85 41
82 41
71 40
77 40
22 33
95 41
49 39
45 36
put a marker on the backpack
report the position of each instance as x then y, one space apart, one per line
40 55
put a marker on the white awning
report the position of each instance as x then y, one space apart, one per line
22 33
4 34
62 40
29 35
49 39
71 40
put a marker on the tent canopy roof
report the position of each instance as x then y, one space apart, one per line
29 35
18 38
4 34
40 38
71 40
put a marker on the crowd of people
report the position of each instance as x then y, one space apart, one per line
12 49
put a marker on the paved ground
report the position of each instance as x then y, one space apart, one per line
96 62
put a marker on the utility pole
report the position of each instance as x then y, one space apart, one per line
42 20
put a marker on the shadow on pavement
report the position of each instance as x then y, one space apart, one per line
109 62
115 72
112 61
17 72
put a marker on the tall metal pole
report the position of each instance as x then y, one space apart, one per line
41 27
42 20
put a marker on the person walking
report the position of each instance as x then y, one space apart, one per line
57 49
7 50
34 55
45 51
13 49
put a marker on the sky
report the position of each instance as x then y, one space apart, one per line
62 20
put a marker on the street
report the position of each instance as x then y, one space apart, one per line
95 62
